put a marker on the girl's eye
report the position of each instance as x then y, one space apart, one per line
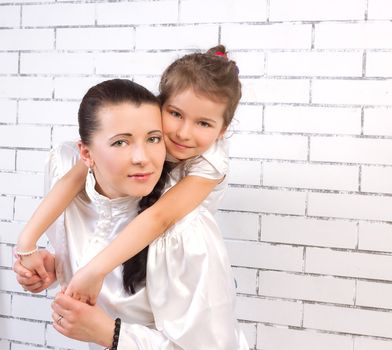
119 143
175 114
204 124
154 139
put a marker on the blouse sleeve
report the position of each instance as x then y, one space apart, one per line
212 164
60 160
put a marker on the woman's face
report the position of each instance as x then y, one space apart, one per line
127 152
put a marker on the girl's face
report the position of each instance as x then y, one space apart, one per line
127 152
191 124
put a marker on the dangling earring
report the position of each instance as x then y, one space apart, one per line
90 170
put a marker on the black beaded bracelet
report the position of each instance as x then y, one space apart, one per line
116 335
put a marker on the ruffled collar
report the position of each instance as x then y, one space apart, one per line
116 205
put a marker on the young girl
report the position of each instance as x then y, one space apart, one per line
189 280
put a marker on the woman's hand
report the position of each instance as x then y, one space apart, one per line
33 282
81 321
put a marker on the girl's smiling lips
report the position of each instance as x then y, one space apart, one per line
179 144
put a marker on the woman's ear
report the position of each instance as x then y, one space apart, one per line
85 155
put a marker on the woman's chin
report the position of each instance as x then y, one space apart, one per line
141 192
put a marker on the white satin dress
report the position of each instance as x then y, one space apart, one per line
188 299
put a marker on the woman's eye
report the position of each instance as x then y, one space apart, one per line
119 143
154 139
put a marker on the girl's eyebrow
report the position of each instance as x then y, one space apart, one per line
175 107
212 121
127 134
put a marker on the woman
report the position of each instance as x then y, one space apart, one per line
122 144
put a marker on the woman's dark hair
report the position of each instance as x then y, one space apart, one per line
134 269
111 92
210 74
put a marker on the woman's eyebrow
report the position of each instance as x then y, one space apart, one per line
155 131
127 134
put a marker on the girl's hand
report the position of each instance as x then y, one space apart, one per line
35 264
85 285
33 282
81 321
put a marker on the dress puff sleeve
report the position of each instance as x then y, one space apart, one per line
212 164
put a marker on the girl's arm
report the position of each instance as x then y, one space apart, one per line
180 200
47 212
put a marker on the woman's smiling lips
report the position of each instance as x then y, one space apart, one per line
140 176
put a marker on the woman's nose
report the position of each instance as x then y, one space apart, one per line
139 155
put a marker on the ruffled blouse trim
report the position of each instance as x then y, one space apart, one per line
117 205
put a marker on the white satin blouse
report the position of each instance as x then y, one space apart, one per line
188 299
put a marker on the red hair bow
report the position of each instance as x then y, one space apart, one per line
219 53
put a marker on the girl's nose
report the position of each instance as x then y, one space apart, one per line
183 131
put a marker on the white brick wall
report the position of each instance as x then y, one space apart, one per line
307 218
286 338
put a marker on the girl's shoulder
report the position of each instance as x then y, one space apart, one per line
212 164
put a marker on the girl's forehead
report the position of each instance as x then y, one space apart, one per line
200 95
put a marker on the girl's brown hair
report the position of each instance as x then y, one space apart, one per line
210 74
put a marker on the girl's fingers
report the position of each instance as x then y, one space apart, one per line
64 302
57 308
67 291
76 296
84 299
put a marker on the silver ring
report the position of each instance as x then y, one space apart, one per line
58 321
